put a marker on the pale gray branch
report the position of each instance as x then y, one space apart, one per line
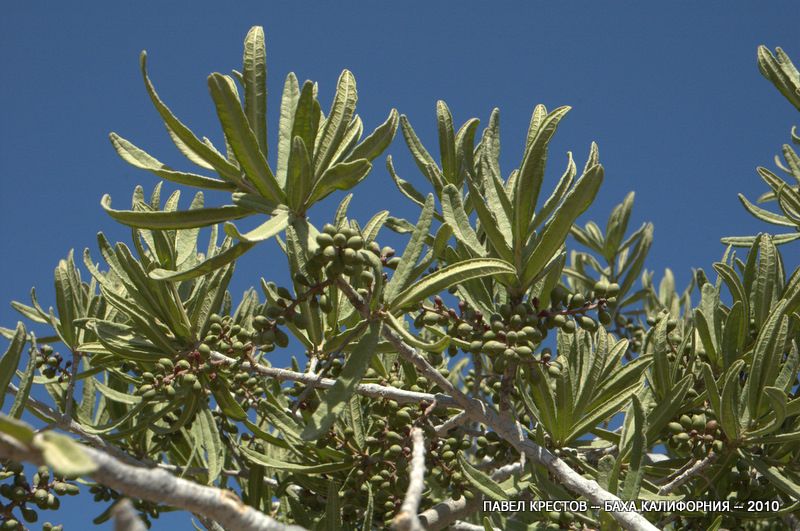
370 390
506 428
686 475
407 519
159 486
125 517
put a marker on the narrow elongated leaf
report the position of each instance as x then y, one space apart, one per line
774 475
340 176
63 454
447 142
633 479
272 227
298 179
242 139
207 266
226 170
10 360
449 276
377 142
457 219
342 110
276 464
557 229
254 74
184 219
481 481
140 159
210 440
25 383
531 173
291 93
337 397
410 257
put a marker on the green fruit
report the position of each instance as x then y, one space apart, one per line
686 421
355 242
613 289
324 239
29 515
339 239
604 317
328 254
587 323
675 427
493 347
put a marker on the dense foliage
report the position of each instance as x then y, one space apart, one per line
484 333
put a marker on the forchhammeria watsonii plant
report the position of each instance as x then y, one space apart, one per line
484 363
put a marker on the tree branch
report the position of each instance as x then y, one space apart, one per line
407 519
159 486
506 428
125 517
686 475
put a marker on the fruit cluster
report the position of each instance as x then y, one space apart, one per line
147 510
51 363
514 331
695 434
42 491
344 252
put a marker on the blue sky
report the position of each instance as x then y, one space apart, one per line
672 96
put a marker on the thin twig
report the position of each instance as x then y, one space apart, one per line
407 519
449 424
695 469
69 394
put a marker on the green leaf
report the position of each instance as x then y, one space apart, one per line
729 413
254 74
242 139
376 143
408 261
531 173
340 176
207 266
481 481
557 228
226 402
333 512
10 360
335 127
291 93
226 170
16 429
185 219
447 142
424 161
140 159
335 399
276 464
490 223
63 454
25 383
272 227
633 479
450 276
298 180
210 440
456 217
773 474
